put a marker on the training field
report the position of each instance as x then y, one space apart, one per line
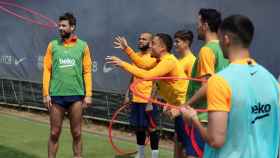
24 138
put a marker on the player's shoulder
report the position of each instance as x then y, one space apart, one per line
216 77
266 72
82 42
170 59
218 80
228 72
166 56
205 50
55 41
171 56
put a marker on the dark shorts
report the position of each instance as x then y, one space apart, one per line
66 101
140 118
185 133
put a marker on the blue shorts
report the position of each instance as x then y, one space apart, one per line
140 118
184 134
66 101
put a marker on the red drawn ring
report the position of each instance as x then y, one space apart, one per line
156 102
50 23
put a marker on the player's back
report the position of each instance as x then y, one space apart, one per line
253 120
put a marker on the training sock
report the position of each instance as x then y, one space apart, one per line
141 153
155 153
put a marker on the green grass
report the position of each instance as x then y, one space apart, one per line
22 138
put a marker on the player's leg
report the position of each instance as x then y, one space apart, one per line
152 116
193 151
184 133
141 137
75 117
139 123
178 149
180 139
56 120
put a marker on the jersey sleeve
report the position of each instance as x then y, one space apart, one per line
47 68
138 60
87 73
162 68
206 62
218 94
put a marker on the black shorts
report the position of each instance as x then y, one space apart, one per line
66 101
140 118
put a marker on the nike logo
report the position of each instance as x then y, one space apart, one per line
259 117
17 62
107 69
253 73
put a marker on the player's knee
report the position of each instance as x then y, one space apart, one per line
55 135
76 134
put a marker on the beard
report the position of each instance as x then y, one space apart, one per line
65 35
225 55
144 48
154 55
200 37
225 52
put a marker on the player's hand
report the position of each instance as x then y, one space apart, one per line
185 105
174 113
126 100
188 113
120 43
167 111
87 101
114 60
47 102
149 108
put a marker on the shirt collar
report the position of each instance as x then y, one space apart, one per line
71 40
244 61
214 41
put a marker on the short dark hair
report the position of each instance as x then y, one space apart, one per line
166 40
185 35
69 17
212 17
239 26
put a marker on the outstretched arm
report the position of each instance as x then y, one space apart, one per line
161 69
121 43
